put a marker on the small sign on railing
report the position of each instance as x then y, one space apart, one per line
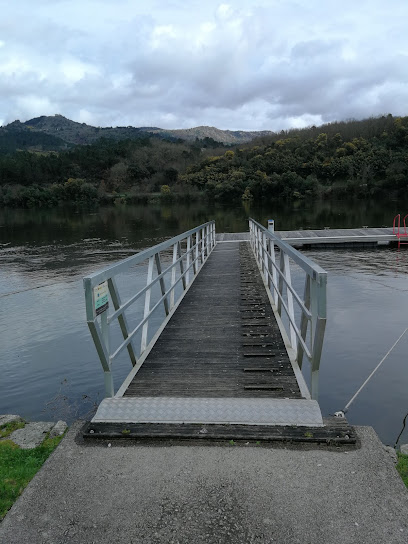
101 298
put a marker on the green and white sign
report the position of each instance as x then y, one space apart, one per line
101 298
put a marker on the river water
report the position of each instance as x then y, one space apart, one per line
48 364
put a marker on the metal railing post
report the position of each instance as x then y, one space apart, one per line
114 293
108 377
173 276
319 305
259 244
304 321
280 281
274 273
188 260
289 298
197 251
202 245
183 278
265 258
147 305
162 283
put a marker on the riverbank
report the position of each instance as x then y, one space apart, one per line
24 447
215 493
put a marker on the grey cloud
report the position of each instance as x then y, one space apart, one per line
259 66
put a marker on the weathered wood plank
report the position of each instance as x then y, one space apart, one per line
332 434
223 327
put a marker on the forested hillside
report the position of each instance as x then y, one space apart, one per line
345 159
13 138
355 158
104 171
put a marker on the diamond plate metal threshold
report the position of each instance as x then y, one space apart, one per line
210 411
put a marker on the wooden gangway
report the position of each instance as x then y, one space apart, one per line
222 356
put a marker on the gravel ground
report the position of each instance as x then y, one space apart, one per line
211 494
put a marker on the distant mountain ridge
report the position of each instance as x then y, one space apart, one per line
71 132
224 136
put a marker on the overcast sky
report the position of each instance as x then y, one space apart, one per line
255 64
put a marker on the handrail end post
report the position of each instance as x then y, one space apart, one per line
109 389
315 385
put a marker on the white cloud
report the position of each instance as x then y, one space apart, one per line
266 64
224 11
35 105
74 70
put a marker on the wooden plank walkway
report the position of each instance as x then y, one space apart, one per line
223 340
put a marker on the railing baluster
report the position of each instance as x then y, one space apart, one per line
173 276
280 284
274 273
183 278
108 377
147 305
290 299
162 283
304 320
202 245
265 258
124 327
188 259
319 305
260 249
197 249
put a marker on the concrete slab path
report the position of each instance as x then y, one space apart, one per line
211 494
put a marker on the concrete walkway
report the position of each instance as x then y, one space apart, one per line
211 494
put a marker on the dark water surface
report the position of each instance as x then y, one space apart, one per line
48 364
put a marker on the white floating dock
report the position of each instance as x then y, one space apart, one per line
338 237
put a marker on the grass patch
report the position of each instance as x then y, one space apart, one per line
402 467
17 468
8 428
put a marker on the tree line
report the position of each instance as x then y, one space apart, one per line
356 158
353 158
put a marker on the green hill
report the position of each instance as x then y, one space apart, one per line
355 158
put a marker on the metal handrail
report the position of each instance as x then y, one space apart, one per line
396 229
184 268
305 338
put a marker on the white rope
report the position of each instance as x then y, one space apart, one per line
342 412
